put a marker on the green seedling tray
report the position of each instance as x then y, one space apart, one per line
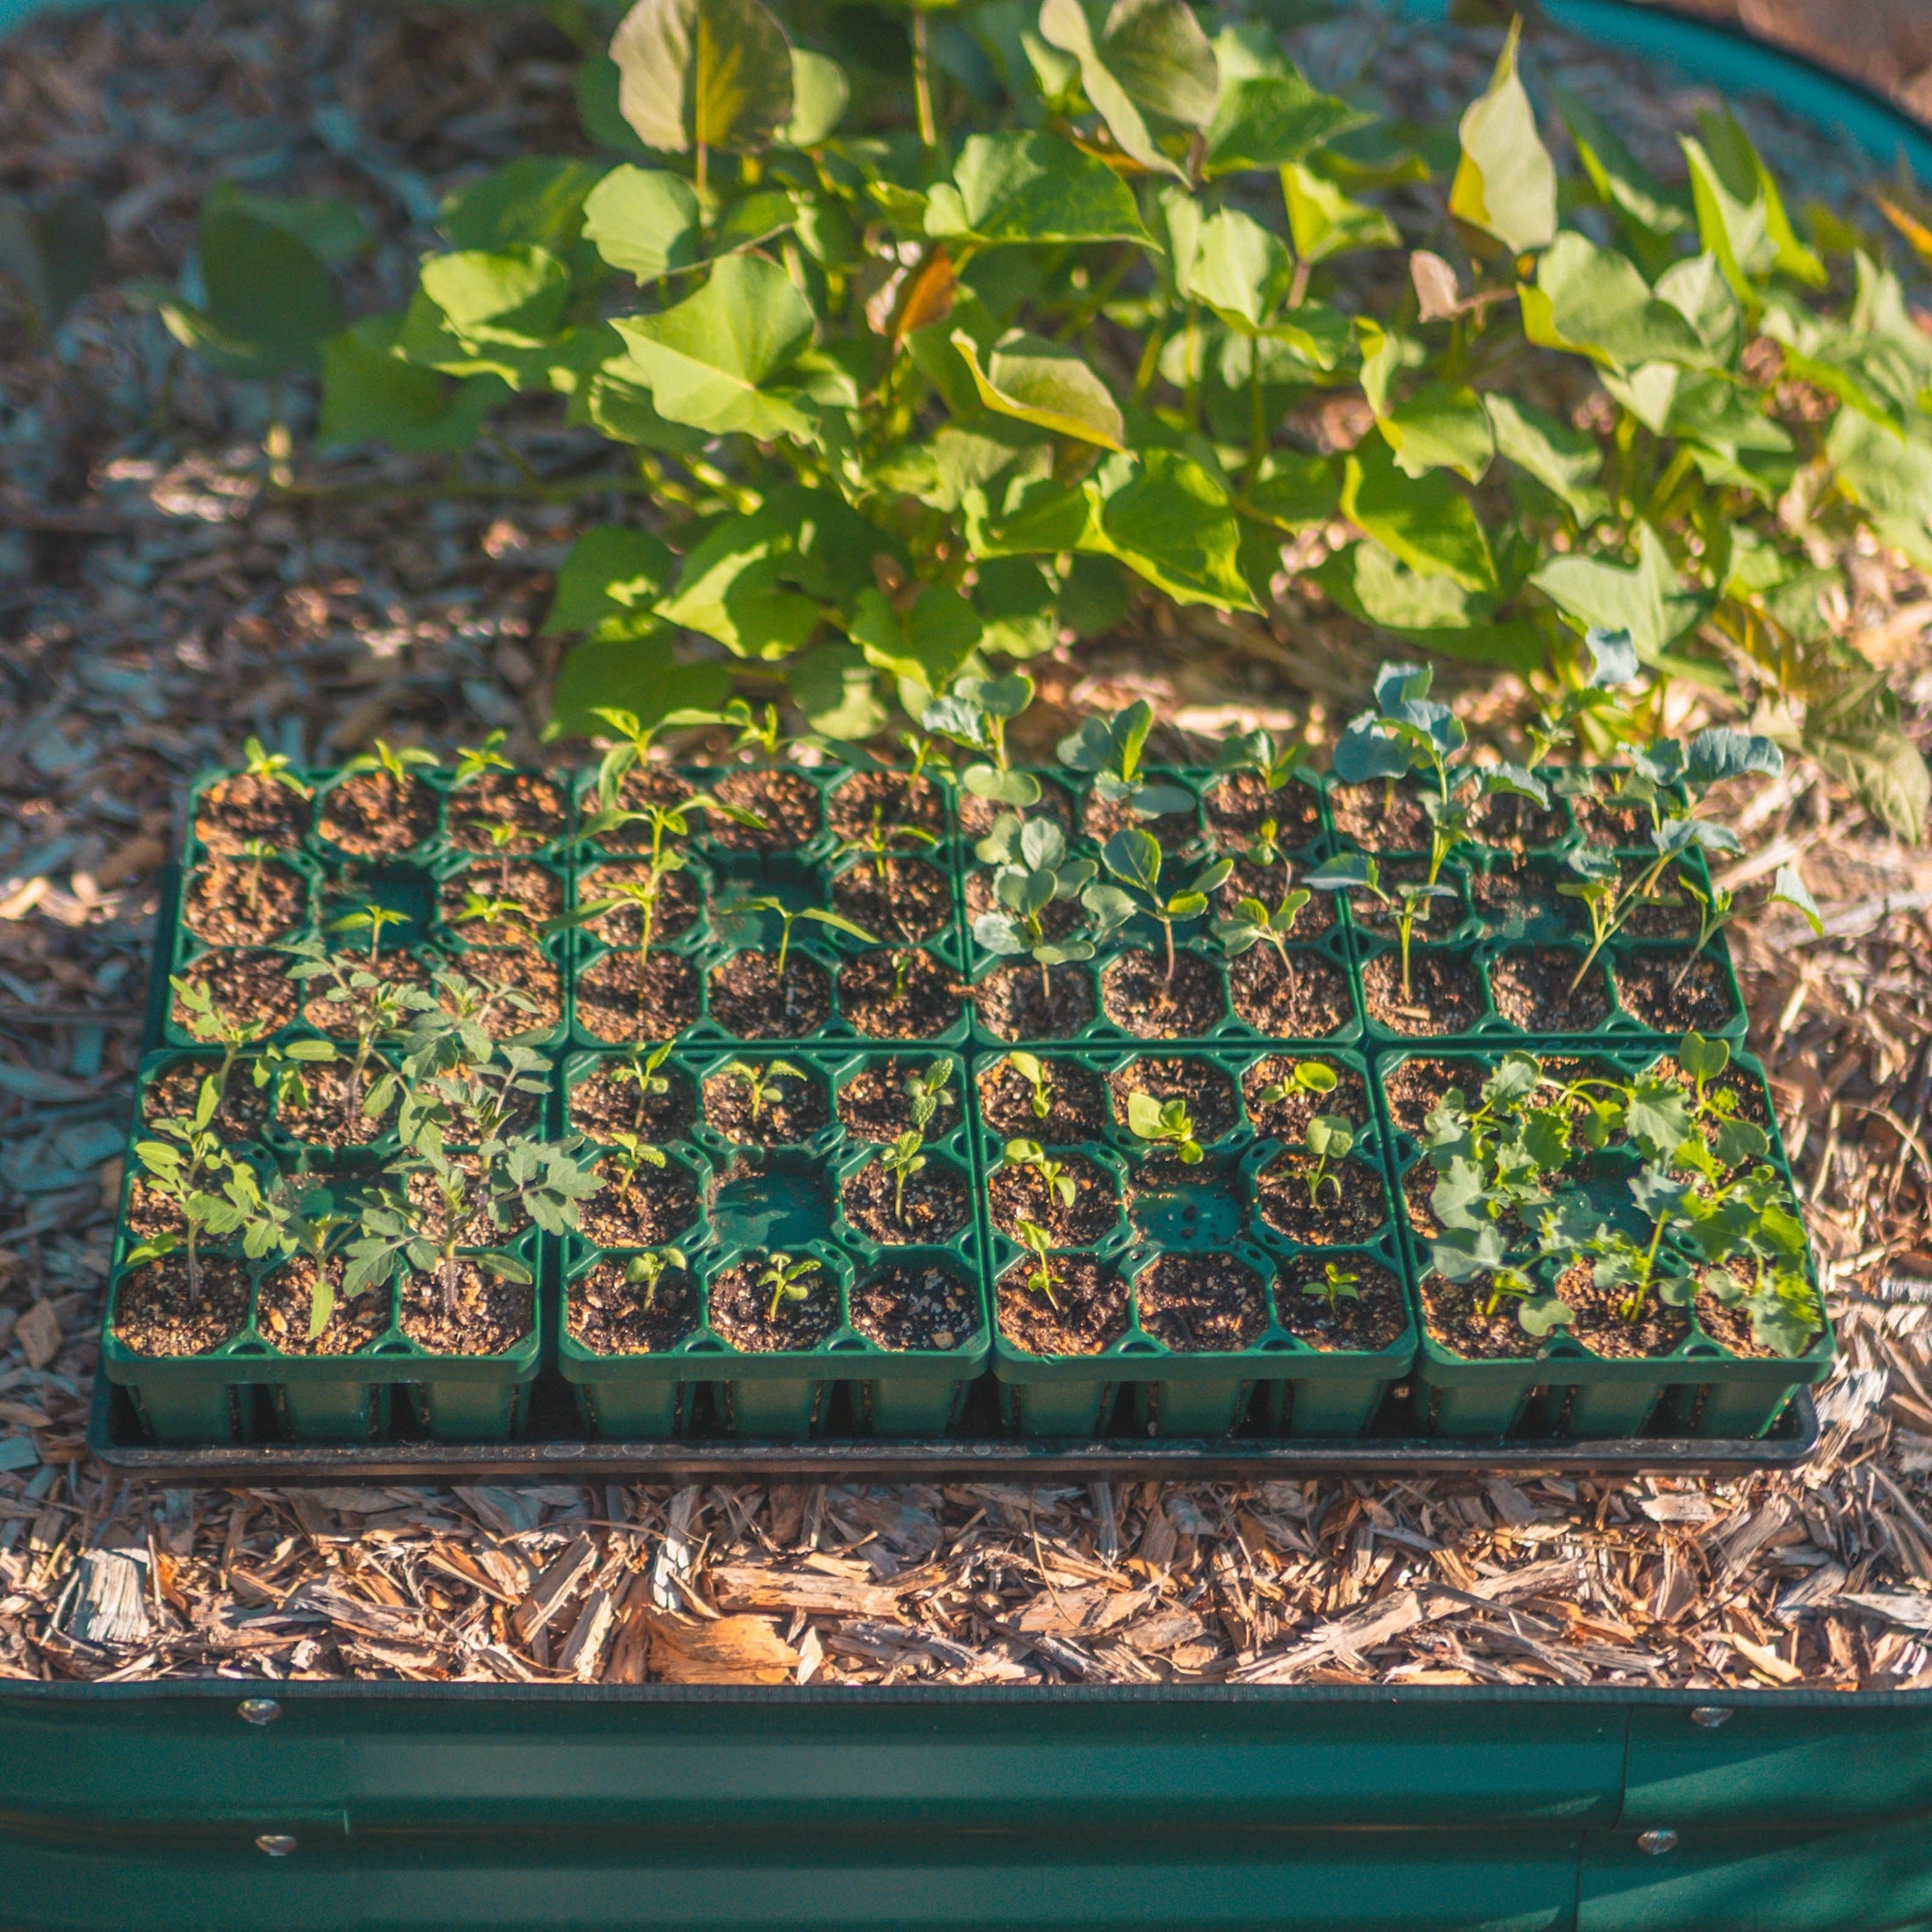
1210 1209
786 1199
1701 1388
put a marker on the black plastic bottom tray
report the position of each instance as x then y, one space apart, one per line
553 1449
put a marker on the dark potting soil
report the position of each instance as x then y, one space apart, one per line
608 1315
899 994
1208 1092
615 1002
1511 898
491 1314
150 1212
1531 988
874 1106
1140 997
656 1206
1102 817
1306 999
1056 920
749 999
244 902
1348 1208
1601 1327
916 1307
1603 823
1666 913
373 815
673 911
1088 1310
338 1017
1730 1327
1268 884
1445 992
638 790
526 989
1372 1320
1287 1119
1377 820
246 988
1418 1199
1433 915
890 799
978 816
1075 1108
795 1113
535 895
533 805
787 803
904 899
1201 1304
485 1225
286 1298
174 1095
1013 1005
1456 1318
1648 990
606 1100
321 1111
935 1206
741 1311
1016 1194
246 810
1237 806
154 1316
1514 824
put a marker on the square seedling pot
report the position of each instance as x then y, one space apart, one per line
785 1197
1700 1388
1166 1208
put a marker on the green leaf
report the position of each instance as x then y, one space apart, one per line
1240 270
1879 469
1034 188
737 585
1147 71
1273 121
609 583
636 675
1593 300
1292 492
1787 889
707 361
510 297
1044 383
1565 461
1739 205
1649 601
1165 518
334 232
1425 521
1658 1117
711 73
532 201
1441 427
270 305
1619 180
832 685
52 253
1505 183
1326 222
1855 734
930 643
618 402
1015 600
820 94
643 220
369 395
596 85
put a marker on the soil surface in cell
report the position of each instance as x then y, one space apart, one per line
320 1109
485 1225
1348 1207
1445 992
916 1307
1015 1193
607 1101
1372 817
1461 1321
1074 1111
790 1106
246 988
889 802
1202 1303
1511 823
1531 988
1608 825
491 1314
742 1312
1287 1119
1140 997
934 1207
1305 999
1372 1319
899 994
1057 920
340 1017
611 1317
175 1094
673 912
898 899
1730 1327
377 815
285 1305
786 802
1269 884
244 902
246 810
751 999
525 991
532 805
1088 1308
155 1315
1513 898
1015 1006
656 1205
875 1105
522 895
1102 817
1650 991
1208 1092
978 816
1603 1328
615 1002
1237 807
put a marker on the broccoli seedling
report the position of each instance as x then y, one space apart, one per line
1304 1076
273 767
1037 1242
1053 1174
1163 1123
1033 872
1110 749
1613 661
788 1280
975 714
1252 924
788 918
1135 857
761 1082
647 1269
1032 1070
1256 752
1329 1138
1717 908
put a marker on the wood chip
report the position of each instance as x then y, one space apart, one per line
726 1650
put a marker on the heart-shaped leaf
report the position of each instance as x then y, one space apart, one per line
643 220
1273 121
1044 383
1149 69
1032 188
1505 183
703 74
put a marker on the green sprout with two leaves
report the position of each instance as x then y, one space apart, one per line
1338 1283
646 1269
1252 924
788 1278
760 1083
904 1155
1163 1123
1032 874
878 844
1053 1177
1409 899
1039 1244
789 916
272 767
1134 858
1033 1070
1314 1078
975 714
397 759
1111 749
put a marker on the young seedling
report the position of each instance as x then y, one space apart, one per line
184 1165
1613 661
759 731
904 1159
1032 1070
504 921
1409 899
472 761
639 1065
373 1009
1337 1284
788 918
504 837
1163 1123
257 852
273 767
789 1278
1111 749
214 1028
1265 847
396 759
1256 752
1252 924
1329 1138
646 1270
283 1069
628 1157
925 753
1134 857
1310 1077
975 713
1033 872
296 1220
372 920
1053 1174
876 842
925 1090
1718 907
1038 1243
633 748
761 1082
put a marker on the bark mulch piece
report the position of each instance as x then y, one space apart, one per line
1287 1119
1237 806
892 801
248 987
903 993
609 1100
1350 1208
1200 1304
154 1314
795 1113
1013 1005
492 1315
1075 1104
1208 1091
1088 1308
247 811
374 816
978 816
244 902
741 1311
873 1103
537 894
657 1205
748 998
1306 999
175 1094
615 1002
1369 816
1372 1319
322 1112
534 806
1141 997
1445 992
916 1307
936 1205
1015 1193
1458 1320
787 803
1602 1327
284 1304
1650 991
1531 989
608 1315
674 911
1102 817
906 899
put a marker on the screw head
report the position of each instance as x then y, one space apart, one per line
1709 1717
278 1844
258 1710
1657 1842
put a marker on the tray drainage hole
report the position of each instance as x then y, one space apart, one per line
1657 1842
278 1844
